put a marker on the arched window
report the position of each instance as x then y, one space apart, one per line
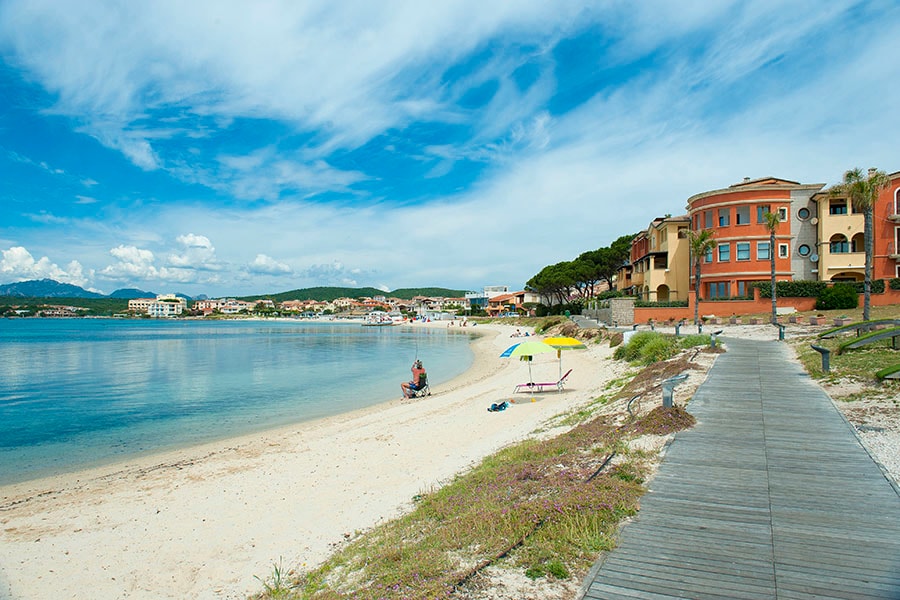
897 201
858 243
839 244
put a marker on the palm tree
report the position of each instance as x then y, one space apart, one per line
772 221
862 190
701 242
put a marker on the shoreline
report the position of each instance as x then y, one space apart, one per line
161 458
206 521
106 448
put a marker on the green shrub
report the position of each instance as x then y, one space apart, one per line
609 294
632 350
658 349
667 304
838 296
548 323
877 286
791 289
646 347
575 307
895 283
693 339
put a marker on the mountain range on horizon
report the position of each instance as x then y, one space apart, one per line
50 288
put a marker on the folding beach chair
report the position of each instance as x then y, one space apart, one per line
422 388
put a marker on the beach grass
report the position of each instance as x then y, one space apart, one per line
860 364
544 507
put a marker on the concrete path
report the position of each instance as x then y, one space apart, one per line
770 495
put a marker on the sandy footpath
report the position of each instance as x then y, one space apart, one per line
203 522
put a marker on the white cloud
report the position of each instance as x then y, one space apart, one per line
207 59
132 264
18 264
268 265
698 96
191 240
196 253
334 273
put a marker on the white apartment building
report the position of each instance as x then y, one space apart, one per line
164 305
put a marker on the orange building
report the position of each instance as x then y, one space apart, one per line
742 247
886 226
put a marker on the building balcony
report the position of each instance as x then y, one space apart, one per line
892 252
894 217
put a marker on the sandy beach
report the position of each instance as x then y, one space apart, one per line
204 522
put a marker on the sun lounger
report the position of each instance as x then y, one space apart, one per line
539 387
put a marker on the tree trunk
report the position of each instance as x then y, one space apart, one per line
772 261
697 293
867 284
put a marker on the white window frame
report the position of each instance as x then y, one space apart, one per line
783 214
737 251
719 252
783 250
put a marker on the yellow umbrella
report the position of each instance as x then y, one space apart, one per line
564 343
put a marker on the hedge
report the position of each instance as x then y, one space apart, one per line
877 286
791 289
667 304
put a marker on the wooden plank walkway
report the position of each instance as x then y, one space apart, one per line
770 495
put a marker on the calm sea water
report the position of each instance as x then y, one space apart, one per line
76 393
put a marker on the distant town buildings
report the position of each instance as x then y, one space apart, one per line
164 305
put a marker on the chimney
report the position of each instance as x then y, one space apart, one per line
746 180
872 171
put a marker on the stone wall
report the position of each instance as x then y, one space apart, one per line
614 311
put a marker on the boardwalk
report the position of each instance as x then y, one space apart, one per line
769 496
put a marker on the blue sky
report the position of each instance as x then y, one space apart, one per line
236 148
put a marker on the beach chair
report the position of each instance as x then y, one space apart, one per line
539 387
422 388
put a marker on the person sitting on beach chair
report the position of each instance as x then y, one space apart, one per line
418 386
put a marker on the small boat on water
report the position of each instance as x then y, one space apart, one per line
379 318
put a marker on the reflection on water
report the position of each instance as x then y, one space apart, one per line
74 392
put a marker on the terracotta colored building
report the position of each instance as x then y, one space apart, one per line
742 249
886 246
